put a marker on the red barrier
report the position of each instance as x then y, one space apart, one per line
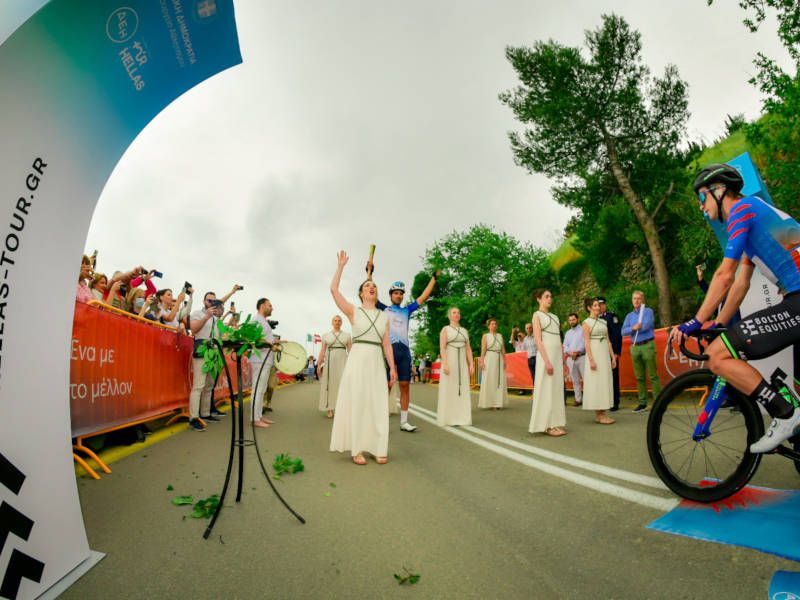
668 366
125 369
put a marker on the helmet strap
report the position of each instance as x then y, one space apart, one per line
719 203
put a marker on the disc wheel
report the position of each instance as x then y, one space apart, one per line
713 468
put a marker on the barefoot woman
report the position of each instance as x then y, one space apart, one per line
361 421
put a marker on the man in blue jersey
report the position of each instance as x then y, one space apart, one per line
399 317
758 235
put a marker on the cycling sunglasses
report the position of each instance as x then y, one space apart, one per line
701 196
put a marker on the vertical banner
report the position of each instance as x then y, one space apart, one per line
78 82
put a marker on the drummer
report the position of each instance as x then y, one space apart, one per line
260 366
399 316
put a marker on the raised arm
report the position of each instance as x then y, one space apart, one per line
227 296
176 306
341 302
428 289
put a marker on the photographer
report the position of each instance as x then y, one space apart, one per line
261 365
168 306
203 324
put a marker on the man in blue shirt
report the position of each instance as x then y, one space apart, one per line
399 317
639 325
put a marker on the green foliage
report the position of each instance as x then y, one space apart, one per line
777 134
485 274
406 576
181 500
575 103
249 334
169 487
284 463
205 508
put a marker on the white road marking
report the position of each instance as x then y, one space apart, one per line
645 480
648 500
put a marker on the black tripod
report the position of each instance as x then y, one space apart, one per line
238 441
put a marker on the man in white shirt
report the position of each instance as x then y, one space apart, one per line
529 345
575 351
203 324
261 366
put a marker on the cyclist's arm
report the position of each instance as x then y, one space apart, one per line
737 292
720 284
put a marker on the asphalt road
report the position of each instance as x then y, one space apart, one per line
475 512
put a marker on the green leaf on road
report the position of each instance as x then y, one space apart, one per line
181 500
333 485
169 487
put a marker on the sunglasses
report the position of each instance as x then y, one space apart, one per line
701 196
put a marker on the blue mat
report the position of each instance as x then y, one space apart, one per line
759 518
785 585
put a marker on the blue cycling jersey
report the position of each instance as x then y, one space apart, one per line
399 316
769 238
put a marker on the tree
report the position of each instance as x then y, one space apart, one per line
777 134
485 274
602 116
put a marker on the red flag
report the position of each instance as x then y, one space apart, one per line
317 339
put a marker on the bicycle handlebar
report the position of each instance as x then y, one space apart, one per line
700 335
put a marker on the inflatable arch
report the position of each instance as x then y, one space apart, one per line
78 82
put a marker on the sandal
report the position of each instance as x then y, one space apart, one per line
381 460
554 432
605 421
359 459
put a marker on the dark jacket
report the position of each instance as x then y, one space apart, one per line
614 331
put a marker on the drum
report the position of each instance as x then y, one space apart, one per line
291 358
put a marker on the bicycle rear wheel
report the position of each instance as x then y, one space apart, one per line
713 468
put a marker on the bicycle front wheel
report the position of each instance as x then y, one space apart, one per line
712 468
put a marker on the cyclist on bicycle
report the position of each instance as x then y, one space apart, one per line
758 234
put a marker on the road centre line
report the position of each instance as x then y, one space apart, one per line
648 500
620 474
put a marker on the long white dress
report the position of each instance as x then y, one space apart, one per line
548 390
598 384
494 393
335 360
361 421
454 406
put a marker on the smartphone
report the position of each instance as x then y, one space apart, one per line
158 274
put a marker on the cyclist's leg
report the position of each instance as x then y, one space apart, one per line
759 335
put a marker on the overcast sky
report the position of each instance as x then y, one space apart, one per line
358 122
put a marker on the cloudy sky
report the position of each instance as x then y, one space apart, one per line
358 122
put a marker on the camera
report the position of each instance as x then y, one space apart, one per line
272 324
215 303
187 286
239 287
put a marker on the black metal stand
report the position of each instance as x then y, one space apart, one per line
238 441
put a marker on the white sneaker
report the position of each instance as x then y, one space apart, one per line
779 431
407 427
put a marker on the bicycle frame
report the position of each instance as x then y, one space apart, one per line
713 403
